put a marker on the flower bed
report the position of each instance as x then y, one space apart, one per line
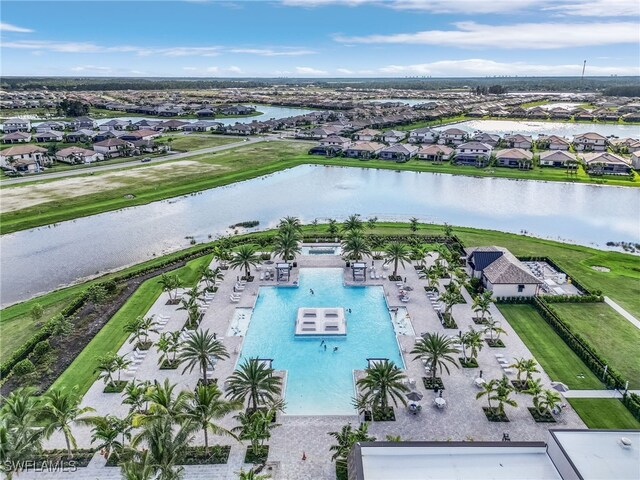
495 343
494 415
433 383
480 321
259 456
168 365
520 385
380 415
447 321
61 460
546 417
395 278
468 363
116 386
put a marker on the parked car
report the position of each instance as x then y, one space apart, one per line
146 159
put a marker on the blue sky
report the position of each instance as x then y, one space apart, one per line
319 38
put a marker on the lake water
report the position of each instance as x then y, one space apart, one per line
533 128
41 259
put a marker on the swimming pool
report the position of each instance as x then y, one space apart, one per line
321 250
319 381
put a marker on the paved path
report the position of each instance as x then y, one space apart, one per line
117 166
622 311
596 393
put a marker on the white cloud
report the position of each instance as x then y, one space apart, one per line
234 69
91 68
598 8
7 27
268 52
482 67
524 35
310 71
345 71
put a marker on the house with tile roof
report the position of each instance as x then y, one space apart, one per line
501 272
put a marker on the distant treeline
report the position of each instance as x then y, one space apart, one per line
623 91
512 84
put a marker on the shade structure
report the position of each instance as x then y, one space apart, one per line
414 396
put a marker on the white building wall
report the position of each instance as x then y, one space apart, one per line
508 290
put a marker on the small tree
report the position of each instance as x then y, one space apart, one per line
36 312
413 224
436 350
107 367
170 285
397 252
245 257
494 326
482 303
346 438
202 350
332 227
383 381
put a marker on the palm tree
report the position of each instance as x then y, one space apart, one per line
382 381
60 410
245 257
528 366
202 349
430 274
547 401
107 367
397 252
168 345
436 349
251 475
206 405
255 380
222 254
170 284
413 224
289 225
287 244
111 433
135 396
167 444
163 403
352 224
210 276
481 304
140 328
371 222
354 247
121 362
332 227
419 253
346 438
138 468
502 392
450 297
472 340
488 389
494 326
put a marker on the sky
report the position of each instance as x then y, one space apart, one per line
319 38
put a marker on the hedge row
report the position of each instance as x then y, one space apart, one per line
580 346
573 298
632 402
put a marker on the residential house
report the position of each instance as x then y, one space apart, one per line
553 142
236 110
202 126
422 135
519 141
80 123
363 149
114 124
537 112
147 124
435 153
170 111
80 136
76 155
11 125
473 153
206 112
452 136
148 146
635 160
488 138
239 129
400 152
48 126
560 113
557 158
22 152
139 135
366 135
605 163
49 136
16 137
393 136
112 147
501 272
326 150
590 142
317 133
173 125
336 141
514 158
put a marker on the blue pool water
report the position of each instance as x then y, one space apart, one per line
320 382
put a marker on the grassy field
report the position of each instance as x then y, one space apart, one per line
110 338
17 325
617 340
604 413
553 355
187 143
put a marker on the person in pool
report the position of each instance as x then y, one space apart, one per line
335 349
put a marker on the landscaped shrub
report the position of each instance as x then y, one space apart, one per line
632 402
24 367
573 298
41 348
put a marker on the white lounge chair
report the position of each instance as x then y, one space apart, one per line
234 299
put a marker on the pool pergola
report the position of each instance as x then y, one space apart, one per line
359 271
283 271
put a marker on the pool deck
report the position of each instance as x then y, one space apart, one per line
462 419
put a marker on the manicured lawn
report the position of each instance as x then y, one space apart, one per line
110 338
186 143
614 337
557 359
605 413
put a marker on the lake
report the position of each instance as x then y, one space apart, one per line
533 128
42 259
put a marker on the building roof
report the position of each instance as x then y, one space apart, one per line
65 152
515 153
518 138
590 136
368 146
21 121
504 269
422 131
400 148
368 131
556 139
604 157
22 150
110 142
453 131
16 136
435 149
557 155
474 146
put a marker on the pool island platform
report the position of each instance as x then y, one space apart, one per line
321 321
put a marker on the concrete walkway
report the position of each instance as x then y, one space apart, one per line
596 393
622 311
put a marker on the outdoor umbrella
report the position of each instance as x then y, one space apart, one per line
414 396
560 387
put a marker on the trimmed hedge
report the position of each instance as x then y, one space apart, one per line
573 298
632 402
